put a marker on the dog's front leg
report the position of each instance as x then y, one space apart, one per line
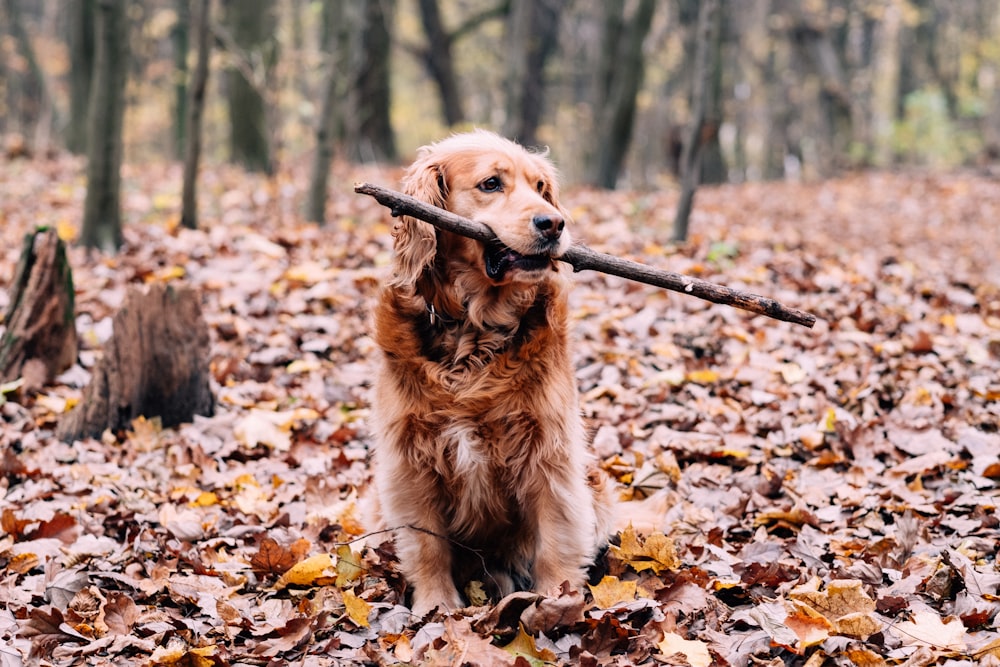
565 535
425 558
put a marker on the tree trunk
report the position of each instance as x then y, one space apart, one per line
885 84
620 77
330 116
831 126
700 103
155 365
532 35
758 149
46 115
40 340
370 128
102 227
439 63
81 68
195 107
713 162
180 37
251 25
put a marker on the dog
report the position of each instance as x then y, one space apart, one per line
481 464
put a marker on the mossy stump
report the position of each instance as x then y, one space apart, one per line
39 341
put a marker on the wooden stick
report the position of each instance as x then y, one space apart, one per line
580 257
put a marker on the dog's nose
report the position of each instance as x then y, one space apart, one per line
549 226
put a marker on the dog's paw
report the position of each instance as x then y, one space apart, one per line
443 601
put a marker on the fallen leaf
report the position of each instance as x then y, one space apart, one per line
318 570
611 590
523 646
694 651
357 609
927 629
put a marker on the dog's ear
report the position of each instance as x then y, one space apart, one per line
415 241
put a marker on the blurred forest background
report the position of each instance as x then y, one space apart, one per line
784 88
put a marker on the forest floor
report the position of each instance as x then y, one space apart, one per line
832 491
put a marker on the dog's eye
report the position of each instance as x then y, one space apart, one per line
541 187
491 184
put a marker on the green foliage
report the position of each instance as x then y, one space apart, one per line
723 252
927 135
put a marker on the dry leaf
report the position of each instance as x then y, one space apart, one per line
611 590
694 651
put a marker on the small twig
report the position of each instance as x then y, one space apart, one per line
580 257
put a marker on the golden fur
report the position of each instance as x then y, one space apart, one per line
481 463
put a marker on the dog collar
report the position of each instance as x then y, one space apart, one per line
435 317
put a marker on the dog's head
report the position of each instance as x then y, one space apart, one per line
484 177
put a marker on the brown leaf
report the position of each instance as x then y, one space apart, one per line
12 525
272 558
61 526
120 614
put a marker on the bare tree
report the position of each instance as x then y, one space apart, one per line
702 90
48 113
439 63
369 125
618 80
102 227
180 37
250 42
885 88
195 107
330 121
81 68
532 31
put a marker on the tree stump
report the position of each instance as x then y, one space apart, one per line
154 365
40 341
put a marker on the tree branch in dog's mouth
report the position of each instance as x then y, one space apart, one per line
581 258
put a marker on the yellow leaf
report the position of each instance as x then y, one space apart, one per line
349 567
357 609
66 230
205 499
694 651
657 552
611 590
182 655
703 376
315 570
830 422
167 274
523 645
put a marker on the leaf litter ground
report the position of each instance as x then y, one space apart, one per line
830 494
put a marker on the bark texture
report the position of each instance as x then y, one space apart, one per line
581 258
102 226
154 365
40 340
195 109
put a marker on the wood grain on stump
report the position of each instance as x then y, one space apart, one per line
39 341
156 364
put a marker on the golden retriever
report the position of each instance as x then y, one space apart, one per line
481 465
